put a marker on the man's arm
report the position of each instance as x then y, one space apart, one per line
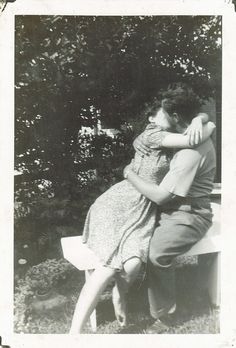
152 191
177 182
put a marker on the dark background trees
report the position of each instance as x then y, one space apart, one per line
73 71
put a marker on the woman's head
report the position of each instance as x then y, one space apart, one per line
162 118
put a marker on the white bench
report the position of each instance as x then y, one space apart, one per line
209 244
76 252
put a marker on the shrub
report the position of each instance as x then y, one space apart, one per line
44 276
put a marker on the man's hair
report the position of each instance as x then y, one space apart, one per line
181 99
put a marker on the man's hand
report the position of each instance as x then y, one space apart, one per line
140 147
194 131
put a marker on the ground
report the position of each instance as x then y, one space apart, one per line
194 313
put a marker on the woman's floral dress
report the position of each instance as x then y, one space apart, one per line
121 221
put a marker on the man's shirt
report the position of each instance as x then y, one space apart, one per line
192 171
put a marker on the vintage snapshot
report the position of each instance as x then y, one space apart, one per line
117 175
114 159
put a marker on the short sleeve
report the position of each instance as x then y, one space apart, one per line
183 168
154 137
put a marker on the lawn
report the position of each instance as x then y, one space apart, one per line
194 314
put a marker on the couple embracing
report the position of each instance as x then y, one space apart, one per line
159 211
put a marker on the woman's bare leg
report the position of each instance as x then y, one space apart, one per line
124 280
89 297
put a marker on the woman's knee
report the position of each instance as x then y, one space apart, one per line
132 264
131 268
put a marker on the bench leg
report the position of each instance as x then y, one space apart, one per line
214 280
93 316
210 275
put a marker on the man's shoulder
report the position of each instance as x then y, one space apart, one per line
187 153
196 154
200 150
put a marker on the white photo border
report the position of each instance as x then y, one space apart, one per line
117 7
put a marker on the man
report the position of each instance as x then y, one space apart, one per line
185 215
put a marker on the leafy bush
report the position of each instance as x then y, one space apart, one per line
42 216
50 274
74 71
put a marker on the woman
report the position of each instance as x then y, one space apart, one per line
120 223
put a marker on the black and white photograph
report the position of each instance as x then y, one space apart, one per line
118 168
117 172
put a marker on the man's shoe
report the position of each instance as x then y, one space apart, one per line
158 327
172 309
163 323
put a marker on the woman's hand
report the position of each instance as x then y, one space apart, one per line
140 147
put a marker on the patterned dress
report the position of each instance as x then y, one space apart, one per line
121 221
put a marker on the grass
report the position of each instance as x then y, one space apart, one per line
194 314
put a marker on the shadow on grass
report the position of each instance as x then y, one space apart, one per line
194 314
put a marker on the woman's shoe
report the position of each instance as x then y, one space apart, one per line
119 303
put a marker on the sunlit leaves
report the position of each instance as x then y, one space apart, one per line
73 70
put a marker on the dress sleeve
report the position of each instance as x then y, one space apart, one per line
183 168
154 138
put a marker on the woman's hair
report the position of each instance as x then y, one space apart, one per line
151 108
181 99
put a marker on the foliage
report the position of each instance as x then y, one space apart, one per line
98 158
47 275
71 71
43 217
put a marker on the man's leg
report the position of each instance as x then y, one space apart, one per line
175 235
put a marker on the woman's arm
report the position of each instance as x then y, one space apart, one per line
140 147
173 140
195 134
